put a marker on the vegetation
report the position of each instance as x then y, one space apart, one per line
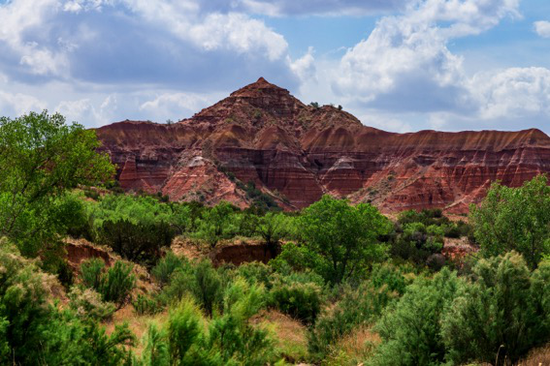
341 274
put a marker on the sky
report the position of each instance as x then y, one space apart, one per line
398 65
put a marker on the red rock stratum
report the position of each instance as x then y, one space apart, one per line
296 153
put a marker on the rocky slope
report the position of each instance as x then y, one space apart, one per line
296 153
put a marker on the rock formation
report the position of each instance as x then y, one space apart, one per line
296 153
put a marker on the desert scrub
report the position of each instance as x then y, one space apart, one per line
114 284
88 303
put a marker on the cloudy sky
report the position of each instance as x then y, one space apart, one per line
399 65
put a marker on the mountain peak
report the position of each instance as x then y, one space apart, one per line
260 88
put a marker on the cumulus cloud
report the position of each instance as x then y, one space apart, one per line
175 106
542 28
405 66
16 104
136 42
405 62
321 7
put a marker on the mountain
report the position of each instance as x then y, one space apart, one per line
295 153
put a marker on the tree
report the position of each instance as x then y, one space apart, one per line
216 224
341 239
504 311
515 219
41 157
272 227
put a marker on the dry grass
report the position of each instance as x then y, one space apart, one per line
537 357
354 348
290 333
138 324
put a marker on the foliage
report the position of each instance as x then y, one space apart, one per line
272 228
216 224
505 310
299 300
114 284
357 307
515 219
140 242
87 303
40 158
144 304
166 266
341 239
32 330
228 339
410 329
417 242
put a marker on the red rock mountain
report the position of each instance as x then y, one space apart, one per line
296 153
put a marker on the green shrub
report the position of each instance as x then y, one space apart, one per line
417 242
91 273
166 266
410 330
87 303
515 219
117 283
207 287
505 310
301 301
137 242
146 305
114 284
360 306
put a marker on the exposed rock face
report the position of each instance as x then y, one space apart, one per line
296 153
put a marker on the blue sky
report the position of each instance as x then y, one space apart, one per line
398 65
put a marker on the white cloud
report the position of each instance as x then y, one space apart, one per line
176 106
542 28
16 104
304 67
513 93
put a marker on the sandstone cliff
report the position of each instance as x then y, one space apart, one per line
296 153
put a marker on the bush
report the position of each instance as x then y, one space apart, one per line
301 301
87 303
360 306
411 329
114 284
32 331
505 310
166 266
515 219
146 305
341 240
137 242
418 242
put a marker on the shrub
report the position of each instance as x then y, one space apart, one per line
418 242
166 266
207 287
504 311
137 242
360 306
91 272
299 300
216 224
114 284
87 303
117 283
411 329
146 305
515 219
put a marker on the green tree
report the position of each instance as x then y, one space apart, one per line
515 219
410 330
341 239
505 310
41 157
272 228
217 223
